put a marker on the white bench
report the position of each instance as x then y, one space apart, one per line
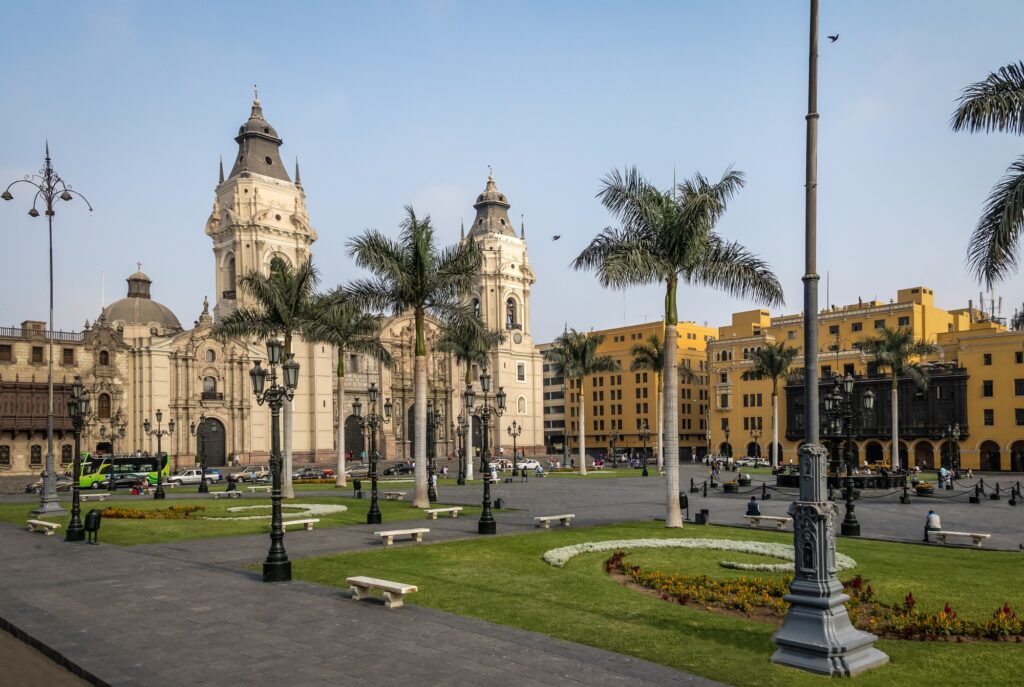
394 592
100 496
943 536
307 524
253 490
227 494
433 512
393 495
42 526
416 533
545 520
780 523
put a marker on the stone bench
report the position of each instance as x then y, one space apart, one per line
432 513
545 520
394 592
393 495
780 523
43 526
227 494
944 536
307 524
416 533
253 490
101 496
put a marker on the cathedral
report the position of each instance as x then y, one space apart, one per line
137 360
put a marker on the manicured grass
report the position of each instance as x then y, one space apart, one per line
581 604
129 532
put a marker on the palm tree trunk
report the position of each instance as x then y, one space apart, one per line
775 429
339 480
673 514
895 426
583 448
419 448
468 443
661 429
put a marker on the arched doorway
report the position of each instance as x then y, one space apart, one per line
725 449
1017 456
354 446
211 440
946 451
754 449
904 455
990 461
778 452
873 453
924 455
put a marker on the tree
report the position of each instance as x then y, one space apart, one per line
283 300
996 104
669 237
895 349
413 273
773 361
339 321
470 342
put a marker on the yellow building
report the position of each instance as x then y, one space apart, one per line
622 403
978 398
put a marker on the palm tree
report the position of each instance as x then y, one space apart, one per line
996 104
896 349
413 273
470 342
773 361
574 355
340 322
669 237
283 300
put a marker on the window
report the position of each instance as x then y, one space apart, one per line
879 324
104 358
989 417
986 359
6 355
637 377
725 400
746 399
1018 414
723 377
833 329
1018 387
791 334
476 307
211 355
1018 357
746 424
37 354
826 371
103 406
67 356
725 423
210 388
986 388
521 405
848 369
520 372
645 377
904 321
857 326
5 456
36 456
510 314
66 453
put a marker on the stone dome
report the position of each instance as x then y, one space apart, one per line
139 308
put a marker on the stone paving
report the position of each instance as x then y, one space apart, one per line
189 613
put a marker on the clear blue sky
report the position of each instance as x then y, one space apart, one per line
408 102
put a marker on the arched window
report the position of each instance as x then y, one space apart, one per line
476 307
103 406
209 388
104 358
510 314
231 273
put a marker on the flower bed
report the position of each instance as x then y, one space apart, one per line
172 513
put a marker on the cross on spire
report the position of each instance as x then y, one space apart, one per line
139 265
255 94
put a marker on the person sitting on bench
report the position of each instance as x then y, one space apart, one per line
932 524
752 506
232 483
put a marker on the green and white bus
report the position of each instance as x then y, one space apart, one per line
96 469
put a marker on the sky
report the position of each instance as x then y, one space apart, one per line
395 103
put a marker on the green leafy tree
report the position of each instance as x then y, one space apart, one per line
282 307
773 361
996 104
339 321
575 357
668 237
897 350
414 274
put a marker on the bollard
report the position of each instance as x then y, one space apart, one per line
905 498
977 494
693 487
1014 493
764 492
684 504
995 495
705 490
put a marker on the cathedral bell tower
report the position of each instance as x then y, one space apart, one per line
259 213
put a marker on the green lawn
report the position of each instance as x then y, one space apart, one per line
581 604
128 532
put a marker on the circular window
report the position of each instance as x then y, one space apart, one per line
502 222
268 160
210 356
277 217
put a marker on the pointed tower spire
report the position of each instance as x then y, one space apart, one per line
221 179
522 228
462 229
298 176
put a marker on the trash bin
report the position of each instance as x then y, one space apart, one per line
684 501
497 503
357 487
703 517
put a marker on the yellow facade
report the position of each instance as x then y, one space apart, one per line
624 401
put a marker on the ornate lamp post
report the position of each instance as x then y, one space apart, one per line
277 567
118 425
159 434
78 410
728 446
371 422
485 411
840 412
952 435
613 439
461 428
434 420
645 434
49 187
755 437
196 429
514 430
565 427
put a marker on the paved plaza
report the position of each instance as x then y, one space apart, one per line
193 613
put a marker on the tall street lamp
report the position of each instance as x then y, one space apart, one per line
485 411
159 434
196 429
118 425
78 410
435 420
613 439
49 187
645 434
565 426
371 422
952 435
755 437
277 567
840 413
459 428
514 430
728 446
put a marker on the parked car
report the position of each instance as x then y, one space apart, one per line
253 473
399 469
195 477
124 480
529 464
747 462
63 484
311 472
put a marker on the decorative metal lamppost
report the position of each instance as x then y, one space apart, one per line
460 429
953 436
485 411
118 425
755 438
277 567
565 428
514 430
435 420
613 439
645 434
78 410
728 446
841 412
371 422
49 187
196 429
160 460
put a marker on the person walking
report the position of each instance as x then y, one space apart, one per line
932 524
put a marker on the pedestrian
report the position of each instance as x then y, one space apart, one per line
932 524
752 506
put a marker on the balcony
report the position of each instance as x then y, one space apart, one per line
212 396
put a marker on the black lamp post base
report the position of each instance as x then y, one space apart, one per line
461 481
644 473
159 495
850 529
490 527
204 488
75 534
373 518
278 571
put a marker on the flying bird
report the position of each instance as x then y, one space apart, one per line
834 38
556 237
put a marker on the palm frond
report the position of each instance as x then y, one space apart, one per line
621 259
735 270
992 253
995 104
